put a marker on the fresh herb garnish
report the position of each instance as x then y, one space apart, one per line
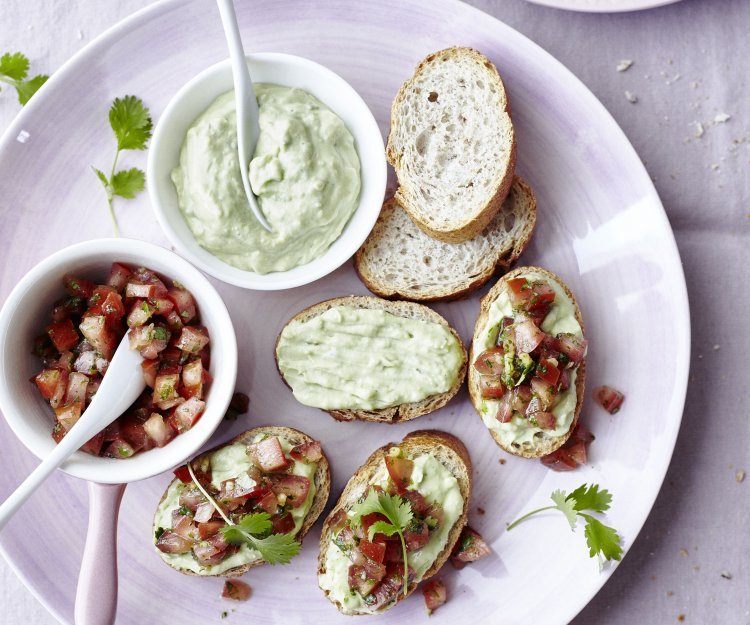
603 541
14 68
253 530
392 507
131 123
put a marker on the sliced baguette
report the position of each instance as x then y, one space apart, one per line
409 310
452 144
445 448
545 444
398 260
322 480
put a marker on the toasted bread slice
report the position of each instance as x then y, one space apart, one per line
409 310
322 481
452 144
542 443
446 449
398 260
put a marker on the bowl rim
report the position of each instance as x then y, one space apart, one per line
376 177
157 460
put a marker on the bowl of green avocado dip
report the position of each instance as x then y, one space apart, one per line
318 171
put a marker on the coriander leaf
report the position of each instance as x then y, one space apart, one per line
128 182
277 548
15 66
381 527
601 539
590 498
131 122
274 549
28 88
565 506
102 176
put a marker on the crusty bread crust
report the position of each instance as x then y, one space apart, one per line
408 197
547 444
322 480
448 450
410 310
501 258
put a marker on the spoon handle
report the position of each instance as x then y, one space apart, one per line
96 596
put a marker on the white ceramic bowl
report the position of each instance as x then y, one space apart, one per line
25 314
292 71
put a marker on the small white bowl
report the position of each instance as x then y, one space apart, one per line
282 69
25 314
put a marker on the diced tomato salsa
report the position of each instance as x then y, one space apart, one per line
88 323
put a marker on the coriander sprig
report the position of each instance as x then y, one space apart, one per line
603 541
253 530
392 507
131 122
14 68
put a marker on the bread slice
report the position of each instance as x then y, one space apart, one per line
322 480
409 310
452 144
445 448
547 444
399 260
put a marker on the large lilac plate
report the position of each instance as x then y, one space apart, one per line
601 227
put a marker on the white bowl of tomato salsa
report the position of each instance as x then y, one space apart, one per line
26 314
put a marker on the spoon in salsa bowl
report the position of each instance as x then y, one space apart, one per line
246 104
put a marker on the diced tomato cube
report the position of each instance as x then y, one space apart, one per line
192 339
282 523
169 541
63 335
118 276
146 276
572 346
78 286
162 305
184 304
469 548
76 392
293 489
47 382
101 337
209 528
158 430
307 452
490 361
94 445
400 470
174 322
119 448
150 368
67 415
112 307
609 398
268 454
165 387
182 474
435 594
138 290
58 432
59 395
236 590
491 386
547 370
140 313
186 414
374 551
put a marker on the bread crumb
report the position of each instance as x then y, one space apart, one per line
669 61
714 166
681 617
696 567
722 118
653 578
502 460
480 510
726 575
717 347
79 34
740 476
631 97
624 65
695 84
670 593
698 130
684 552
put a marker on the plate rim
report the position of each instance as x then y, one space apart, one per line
682 366
579 6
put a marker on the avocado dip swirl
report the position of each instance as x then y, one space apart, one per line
305 173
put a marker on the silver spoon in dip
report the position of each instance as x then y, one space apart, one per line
120 387
248 127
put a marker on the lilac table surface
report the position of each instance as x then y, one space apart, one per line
691 66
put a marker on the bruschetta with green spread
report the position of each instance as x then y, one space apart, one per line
528 360
245 503
396 523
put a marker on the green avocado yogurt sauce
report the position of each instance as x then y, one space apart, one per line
305 173
436 484
365 359
560 318
227 463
